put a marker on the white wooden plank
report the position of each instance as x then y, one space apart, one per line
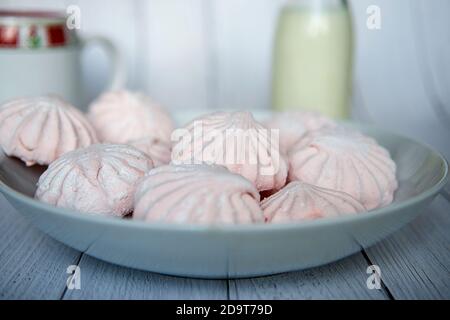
101 280
360 111
433 50
415 262
32 265
389 76
243 34
345 279
172 53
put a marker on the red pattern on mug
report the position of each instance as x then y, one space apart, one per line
9 36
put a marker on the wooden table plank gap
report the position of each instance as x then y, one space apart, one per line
384 287
77 263
415 259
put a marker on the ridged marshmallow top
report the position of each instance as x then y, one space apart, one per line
157 149
100 179
197 194
347 161
301 201
123 116
293 125
41 129
235 140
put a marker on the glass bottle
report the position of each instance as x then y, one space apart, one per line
312 67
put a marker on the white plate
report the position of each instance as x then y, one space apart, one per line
234 251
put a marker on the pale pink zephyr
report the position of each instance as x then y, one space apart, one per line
158 150
293 125
123 116
100 179
299 201
197 194
345 160
259 148
41 129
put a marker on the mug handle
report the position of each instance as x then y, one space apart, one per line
117 75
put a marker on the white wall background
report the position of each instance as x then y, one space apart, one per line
217 54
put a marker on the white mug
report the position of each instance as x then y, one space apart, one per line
36 61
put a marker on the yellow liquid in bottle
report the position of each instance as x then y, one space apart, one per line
313 61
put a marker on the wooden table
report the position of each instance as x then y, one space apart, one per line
414 263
